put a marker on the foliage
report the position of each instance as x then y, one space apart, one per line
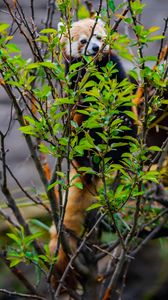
44 101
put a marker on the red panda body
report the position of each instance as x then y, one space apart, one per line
85 40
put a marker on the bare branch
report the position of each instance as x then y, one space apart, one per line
25 296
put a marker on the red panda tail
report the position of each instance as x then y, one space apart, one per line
78 201
60 264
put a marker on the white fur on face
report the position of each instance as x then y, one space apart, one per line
78 49
72 49
94 42
80 35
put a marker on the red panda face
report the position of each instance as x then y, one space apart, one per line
80 34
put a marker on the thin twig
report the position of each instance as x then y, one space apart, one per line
149 237
72 259
9 219
162 40
25 296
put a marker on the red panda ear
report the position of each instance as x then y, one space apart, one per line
99 21
61 27
60 24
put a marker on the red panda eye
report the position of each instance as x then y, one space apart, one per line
83 41
98 37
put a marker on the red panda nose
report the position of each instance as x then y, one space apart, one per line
95 48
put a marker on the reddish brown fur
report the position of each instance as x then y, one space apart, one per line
81 28
78 202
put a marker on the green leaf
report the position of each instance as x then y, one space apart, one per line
40 224
156 37
32 66
89 84
164 101
29 119
28 254
63 141
48 30
27 130
89 139
13 48
53 185
29 239
96 159
103 136
119 168
153 28
149 58
56 128
14 238
83 12
15 262
82 111
43 148
94 206
14 83
151 176
66 100
128 20
116 122
3 27
79 185
119 144
46 91
137 6
48 65
73 67
87 170
61 174
43 39
130 114
154 148
111 5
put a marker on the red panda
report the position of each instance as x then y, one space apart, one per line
86 38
